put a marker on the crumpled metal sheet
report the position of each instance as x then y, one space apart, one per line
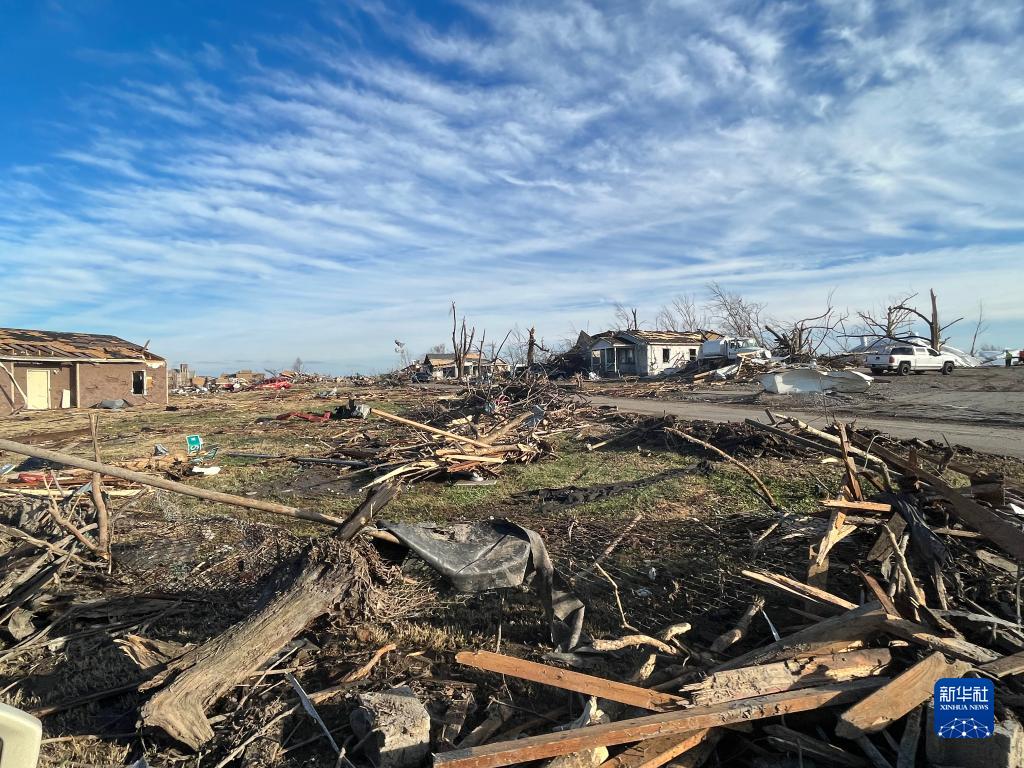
496 554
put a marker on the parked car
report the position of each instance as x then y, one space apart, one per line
910 358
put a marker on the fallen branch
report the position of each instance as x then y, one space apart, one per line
760 483
166 485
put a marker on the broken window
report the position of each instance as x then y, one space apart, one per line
666 355
138 382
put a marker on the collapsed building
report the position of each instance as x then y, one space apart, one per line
43 370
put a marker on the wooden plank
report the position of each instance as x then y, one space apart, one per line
896 699
664 724
838 632
953 646
1005 666
861 506
568 680
653 753
911 740
997 561
996 529
793 674
876 589
799 589
882 547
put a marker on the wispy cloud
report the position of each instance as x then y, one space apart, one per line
535 162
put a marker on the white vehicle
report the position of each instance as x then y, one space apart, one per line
732 348
906 358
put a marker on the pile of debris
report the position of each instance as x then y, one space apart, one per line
899 625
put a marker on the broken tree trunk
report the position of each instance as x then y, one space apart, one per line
330 572
166 485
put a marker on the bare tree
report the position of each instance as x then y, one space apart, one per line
683 314
734 314
935 327
462 341
980 326
626 318
893 321
806 338
438 349
297 365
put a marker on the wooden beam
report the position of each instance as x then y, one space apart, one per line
837 632
953 646
427 428
996 529
799 589
653 753
1005 666
166 485
896 699
589 685
790 675
664 724
862 506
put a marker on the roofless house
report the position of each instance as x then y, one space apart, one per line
40 370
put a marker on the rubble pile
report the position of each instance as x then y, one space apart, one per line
853 634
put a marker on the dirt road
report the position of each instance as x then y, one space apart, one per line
983 437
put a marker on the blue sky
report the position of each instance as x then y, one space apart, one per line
244 182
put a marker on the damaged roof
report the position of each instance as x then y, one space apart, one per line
672 337
23 344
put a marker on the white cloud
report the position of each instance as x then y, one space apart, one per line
567 158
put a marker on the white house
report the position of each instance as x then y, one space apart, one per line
644 353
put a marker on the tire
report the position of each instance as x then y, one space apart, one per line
947 368
904 369
878 371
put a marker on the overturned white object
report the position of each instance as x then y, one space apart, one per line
791 381
20 737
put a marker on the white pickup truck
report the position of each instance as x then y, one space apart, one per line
906 358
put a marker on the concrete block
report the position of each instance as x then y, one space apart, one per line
394 726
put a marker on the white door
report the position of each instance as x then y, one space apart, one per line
37 387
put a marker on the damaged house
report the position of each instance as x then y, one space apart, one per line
442 366
40 370
644 353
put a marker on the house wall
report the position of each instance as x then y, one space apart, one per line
61 378
679 356
113 381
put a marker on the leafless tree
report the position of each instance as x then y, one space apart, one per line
683 314
980 326
439 349
297 365
806 338
735 315
462 341
898 321
626 318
